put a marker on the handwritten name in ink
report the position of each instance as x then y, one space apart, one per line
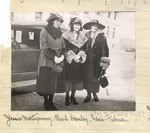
88 119
20 118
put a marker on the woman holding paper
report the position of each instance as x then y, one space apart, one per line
50 67
75 58
97 48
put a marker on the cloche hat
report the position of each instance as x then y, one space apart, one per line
54 16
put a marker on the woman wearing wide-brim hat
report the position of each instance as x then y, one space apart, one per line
50 78
75 42
97 48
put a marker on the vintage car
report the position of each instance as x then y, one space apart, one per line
25 55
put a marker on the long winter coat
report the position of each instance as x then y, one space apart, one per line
48 80
74 72
97 48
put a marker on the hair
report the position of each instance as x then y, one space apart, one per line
51 22
72 27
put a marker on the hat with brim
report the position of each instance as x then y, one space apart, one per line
87 26
55 16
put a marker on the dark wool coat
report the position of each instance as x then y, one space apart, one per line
96 48
74 71
100 49
49 81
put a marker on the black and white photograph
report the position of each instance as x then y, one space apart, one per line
73 61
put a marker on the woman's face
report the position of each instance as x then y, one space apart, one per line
76 27
94 27
57 23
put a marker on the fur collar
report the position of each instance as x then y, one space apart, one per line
78 42
54 32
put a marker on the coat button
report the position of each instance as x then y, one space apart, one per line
93 54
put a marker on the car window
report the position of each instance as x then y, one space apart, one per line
18 36
31 35
25 38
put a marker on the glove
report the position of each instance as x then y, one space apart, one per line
81 53
56 60
83 59
61 58
70 56
77 58
83 56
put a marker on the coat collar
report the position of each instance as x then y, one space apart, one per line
54 32
94 35
78 42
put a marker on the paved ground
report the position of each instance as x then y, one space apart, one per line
118 96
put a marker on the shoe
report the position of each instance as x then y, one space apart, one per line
87 99
73 100
47 106
67 100
95 97
52 106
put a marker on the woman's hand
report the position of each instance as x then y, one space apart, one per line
62 58
83 56
70 55
83 59
81 53
58 60
77 58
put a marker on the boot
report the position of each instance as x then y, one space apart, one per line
51 104
95 97
46 103
73 100
88 98
67 100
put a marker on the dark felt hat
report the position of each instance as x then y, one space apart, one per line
87 26
54 16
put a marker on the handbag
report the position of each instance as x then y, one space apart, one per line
49 53
103 81
58 67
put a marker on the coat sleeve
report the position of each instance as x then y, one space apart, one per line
49 53
67 45
104 47
63 52
84 47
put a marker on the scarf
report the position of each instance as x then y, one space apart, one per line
78 42
54 32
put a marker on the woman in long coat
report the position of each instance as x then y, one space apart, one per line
75 58
50 67
97 48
